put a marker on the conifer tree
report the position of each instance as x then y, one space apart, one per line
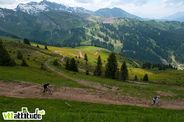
145 78
111 66
98 69
124 72
86 58
135 78
67 65
73 65
5 59
46 47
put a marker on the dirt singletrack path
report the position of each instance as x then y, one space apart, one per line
30 90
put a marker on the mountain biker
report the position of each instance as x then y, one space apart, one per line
46 87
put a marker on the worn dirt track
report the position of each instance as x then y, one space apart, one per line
30 90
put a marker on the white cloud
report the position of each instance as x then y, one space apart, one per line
13 3
143 8
174 2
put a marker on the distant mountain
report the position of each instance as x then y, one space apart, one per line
43 27
176 17
115 12
37 7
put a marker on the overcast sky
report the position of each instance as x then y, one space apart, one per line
143 8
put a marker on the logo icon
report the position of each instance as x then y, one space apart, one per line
24 114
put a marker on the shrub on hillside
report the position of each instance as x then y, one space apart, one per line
43 67
56 63
19 55
26 41
24 63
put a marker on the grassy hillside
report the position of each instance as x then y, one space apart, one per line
92 53
34 58
34 75
164 77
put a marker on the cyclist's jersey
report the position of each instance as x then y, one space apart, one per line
154 98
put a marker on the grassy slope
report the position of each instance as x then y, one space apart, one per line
33 73
92 53
165 77
68 111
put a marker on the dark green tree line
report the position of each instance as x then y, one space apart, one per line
5 59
